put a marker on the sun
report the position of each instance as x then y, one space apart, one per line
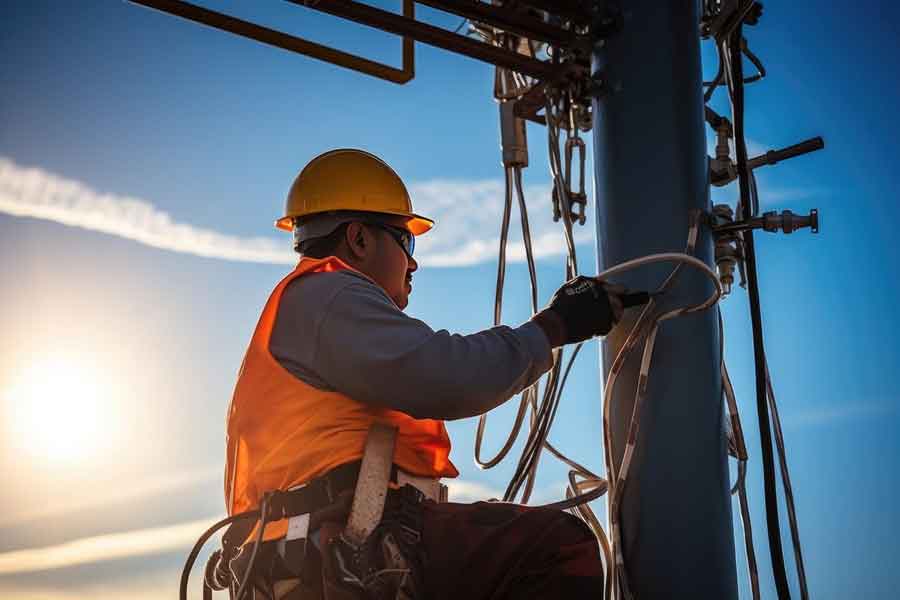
59 409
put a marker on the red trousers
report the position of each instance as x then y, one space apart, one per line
481 551
500 551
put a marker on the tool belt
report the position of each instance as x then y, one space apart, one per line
375 556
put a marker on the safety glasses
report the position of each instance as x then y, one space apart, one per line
403 237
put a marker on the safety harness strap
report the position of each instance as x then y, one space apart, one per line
372 484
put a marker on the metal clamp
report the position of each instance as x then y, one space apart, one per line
729 248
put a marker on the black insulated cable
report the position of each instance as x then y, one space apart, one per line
264 514
736 87
195 551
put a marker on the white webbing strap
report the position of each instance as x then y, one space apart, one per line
372 484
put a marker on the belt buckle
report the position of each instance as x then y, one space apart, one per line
429 486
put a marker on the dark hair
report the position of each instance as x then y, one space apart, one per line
323 246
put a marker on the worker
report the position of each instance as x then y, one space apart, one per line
334 353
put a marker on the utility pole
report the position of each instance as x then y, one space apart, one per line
650 172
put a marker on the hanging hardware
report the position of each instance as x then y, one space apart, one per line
508 87
577 199
729 250
574 199
721 17
722 169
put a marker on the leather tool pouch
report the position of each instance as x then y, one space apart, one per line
283 569
274 578
389 564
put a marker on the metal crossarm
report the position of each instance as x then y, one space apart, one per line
433 36
405 25
285 41
510 21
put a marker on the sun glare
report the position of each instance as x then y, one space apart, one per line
59 408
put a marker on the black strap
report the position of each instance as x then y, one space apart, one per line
309 498
317 494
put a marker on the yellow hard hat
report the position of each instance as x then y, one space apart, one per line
351 180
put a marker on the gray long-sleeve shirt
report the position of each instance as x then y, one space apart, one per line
340 332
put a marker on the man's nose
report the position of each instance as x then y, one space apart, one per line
412 265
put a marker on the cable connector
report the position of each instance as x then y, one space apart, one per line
723 171
786 221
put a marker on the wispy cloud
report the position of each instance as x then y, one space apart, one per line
841 413
99 548
32 192
159 583
156 540
469 491
468 213
146 488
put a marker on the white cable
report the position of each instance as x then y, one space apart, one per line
528 397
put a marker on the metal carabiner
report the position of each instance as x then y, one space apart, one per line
577 199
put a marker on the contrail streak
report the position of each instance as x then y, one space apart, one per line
99 548
154 540
468 215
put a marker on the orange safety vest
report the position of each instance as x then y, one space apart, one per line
283 432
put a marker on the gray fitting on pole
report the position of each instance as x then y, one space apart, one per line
513 140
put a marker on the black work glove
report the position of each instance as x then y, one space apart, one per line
586 306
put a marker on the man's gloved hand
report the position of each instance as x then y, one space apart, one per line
582 308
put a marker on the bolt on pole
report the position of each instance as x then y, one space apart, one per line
650 172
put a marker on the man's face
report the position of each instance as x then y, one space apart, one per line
390 266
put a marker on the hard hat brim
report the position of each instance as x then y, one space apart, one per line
417 224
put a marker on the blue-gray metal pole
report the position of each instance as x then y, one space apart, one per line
650 172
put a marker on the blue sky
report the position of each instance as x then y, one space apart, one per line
165 143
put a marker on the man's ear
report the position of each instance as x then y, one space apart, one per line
357 240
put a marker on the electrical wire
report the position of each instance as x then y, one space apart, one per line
586 486
780 447
526 238
781 450
542 417
248 573
528 396
560 189
501 259
738 449
618 472
542 412
735 80
788 489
